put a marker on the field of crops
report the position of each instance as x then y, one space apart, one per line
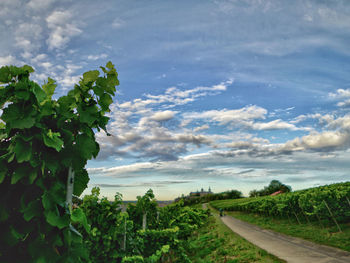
331 202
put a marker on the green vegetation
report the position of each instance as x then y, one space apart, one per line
319 214
274 186
215 242
43 140
330 203
143 233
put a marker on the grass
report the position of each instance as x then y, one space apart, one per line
215 242
325 235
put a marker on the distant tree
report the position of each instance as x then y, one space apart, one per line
233 194
273 187
254 193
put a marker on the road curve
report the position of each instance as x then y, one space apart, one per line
290 249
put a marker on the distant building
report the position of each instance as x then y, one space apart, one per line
194 194
201 193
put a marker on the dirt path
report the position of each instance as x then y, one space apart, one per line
291 249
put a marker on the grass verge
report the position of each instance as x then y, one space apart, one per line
215 242
325 235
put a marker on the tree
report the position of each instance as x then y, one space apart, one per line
273 187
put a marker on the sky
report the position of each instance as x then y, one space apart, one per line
226 94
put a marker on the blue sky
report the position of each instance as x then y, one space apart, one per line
228 94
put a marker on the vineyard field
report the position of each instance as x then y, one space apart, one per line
328 203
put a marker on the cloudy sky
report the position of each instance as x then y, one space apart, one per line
229 94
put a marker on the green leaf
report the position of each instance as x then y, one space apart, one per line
23 151
19 173
56 220
5 75
78 216
90 76
12 237
88 115
104 101
46 108
46 200
109 65
2 176
51 162
32 176
15 71
50 87
86 145
17 118
38 92
23 123
51 139
23 94
33 209
28 69
81 180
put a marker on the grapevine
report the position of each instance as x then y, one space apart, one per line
41 139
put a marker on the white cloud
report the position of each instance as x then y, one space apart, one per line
328 139
28 36
345 103
274 125
97 57
118 23
341 94
163 115
201 128
8 60
36 5
234 117
62 29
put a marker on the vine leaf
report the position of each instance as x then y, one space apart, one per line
19 173
80 182
90 76
86 145
78 216
23 151
33 209
51 139
2 176
56 220
49 87
39 93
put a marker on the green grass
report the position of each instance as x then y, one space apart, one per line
327 235
215 242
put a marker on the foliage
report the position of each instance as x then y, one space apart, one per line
146 205
41 138
311 202
164 238
107 223
273 187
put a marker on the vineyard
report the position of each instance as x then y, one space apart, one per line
45 145
330 204
143 233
